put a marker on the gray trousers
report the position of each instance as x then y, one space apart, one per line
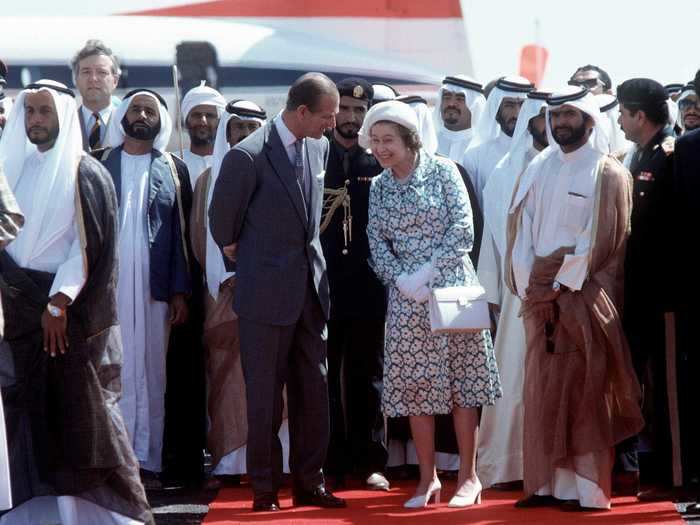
295 355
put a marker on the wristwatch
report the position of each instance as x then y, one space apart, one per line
55 311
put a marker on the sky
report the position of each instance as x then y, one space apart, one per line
627 38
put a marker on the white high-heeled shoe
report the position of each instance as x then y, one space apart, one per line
473 497
422 500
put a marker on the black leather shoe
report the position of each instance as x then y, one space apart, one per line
692 508
573 505
318 497
537 501
265 503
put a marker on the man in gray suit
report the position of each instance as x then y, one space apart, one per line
265 213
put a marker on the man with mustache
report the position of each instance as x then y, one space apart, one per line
689 106
461 104
96 73
567 229
202 107
500 455
70 456
358 304
593 78
644 119
495 130
154 194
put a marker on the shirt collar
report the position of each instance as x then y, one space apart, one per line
287 137
104 113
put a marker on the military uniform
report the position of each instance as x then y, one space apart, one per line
646 298
358 308
356 325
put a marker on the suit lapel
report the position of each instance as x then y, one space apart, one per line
315 168
279 160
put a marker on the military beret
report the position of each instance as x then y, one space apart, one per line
641 93
355 87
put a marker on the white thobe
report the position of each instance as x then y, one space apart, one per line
63 257
558 212
452 144
481 160
144 322
500 448
196 164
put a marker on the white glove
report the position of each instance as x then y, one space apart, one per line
409 285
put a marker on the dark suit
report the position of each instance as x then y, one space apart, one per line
282 301
682 280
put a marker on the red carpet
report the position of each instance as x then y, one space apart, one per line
232 505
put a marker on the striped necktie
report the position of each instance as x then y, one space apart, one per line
299 168
94 137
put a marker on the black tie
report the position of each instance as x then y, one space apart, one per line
94 138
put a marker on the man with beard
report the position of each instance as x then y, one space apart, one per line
644 120
593 78
494 130
227 434
689 106
500 454
461 104
70 457
202 108
567 229
358 302
153 263
96 74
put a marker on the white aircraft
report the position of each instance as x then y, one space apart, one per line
248 49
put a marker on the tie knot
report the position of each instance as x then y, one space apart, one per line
97 116
298 145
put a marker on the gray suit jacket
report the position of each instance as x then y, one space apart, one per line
258 204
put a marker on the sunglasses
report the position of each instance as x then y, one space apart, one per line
590 83
687 103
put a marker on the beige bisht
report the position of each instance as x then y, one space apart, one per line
581 394
228 428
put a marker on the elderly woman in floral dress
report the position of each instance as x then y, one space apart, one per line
420 233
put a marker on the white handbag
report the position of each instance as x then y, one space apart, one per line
458 309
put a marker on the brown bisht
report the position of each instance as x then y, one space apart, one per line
581 395
64 429
228 429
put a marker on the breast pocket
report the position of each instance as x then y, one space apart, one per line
576 213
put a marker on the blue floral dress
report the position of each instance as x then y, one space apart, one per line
427 217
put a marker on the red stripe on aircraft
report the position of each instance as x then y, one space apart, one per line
314 8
